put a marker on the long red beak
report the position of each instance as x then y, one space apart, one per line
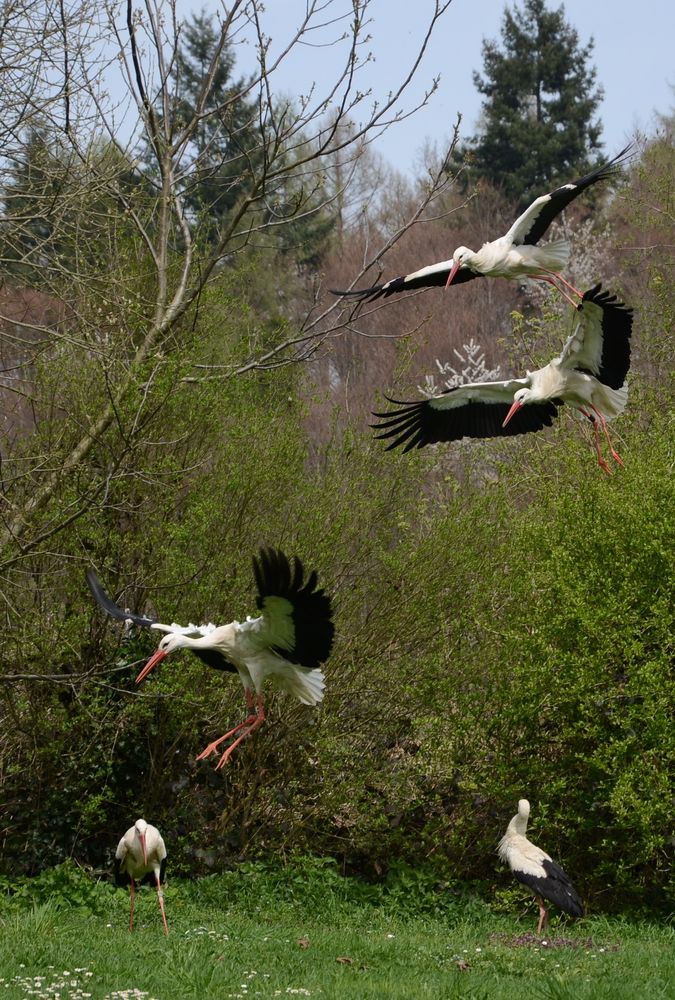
156 658
517 403
453 271
145 849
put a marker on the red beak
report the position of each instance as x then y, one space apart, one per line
453 271
156 658
517 403
145 850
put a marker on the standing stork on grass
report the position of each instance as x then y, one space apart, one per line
536 869
588 375
141 857
515 255
287 642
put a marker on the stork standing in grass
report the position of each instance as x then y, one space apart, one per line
588 374
515 255
141 856
288 641
536 869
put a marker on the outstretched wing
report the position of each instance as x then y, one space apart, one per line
435 275
296 616
535 220
211 657
475 410
112 609
600 343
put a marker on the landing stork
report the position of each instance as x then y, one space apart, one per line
536 869
588 375
514 256
288 641
140 857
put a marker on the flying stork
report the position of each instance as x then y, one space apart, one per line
536 869
288 641
141 857
514 256
588 374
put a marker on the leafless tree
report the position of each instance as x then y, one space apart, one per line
91 106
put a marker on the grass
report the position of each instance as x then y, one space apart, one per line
308 933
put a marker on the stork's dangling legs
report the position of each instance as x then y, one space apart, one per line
249 720
550 281
603 424
258 720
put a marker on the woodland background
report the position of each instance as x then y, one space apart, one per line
179 387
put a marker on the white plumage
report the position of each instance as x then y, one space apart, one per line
588 375
515 255
141 853
536 869
286 642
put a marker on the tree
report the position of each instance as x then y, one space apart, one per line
539 124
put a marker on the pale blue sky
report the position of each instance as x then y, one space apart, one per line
633 55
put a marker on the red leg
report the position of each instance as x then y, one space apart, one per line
560 278
259 719
160 897
550 281
132 891
543 915
596 433
603 424
247 722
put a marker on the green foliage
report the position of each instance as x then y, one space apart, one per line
540 103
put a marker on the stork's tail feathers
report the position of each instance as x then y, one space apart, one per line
554 255
306 685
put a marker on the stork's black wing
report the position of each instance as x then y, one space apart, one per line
554 886
600 343
475 410
535 220
110 607
296 615
435 275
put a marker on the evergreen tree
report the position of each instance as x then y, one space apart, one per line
539 126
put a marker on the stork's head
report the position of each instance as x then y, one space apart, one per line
171 641
141 827
520 398
519 822
462 257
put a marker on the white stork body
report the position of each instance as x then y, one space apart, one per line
536 869
588 375
286 643
141 853
514 256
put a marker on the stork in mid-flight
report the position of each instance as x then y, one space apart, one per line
141 857
536 869
588 375
515 255
289 640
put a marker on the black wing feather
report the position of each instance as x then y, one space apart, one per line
311 613
617 327
404 283
417 424
110 607
555 886
209 656
562 196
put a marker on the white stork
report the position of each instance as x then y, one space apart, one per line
140 857
536 869
589 375
287 642
514 256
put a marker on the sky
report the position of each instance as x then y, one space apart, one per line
633 55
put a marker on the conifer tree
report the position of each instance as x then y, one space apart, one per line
539 124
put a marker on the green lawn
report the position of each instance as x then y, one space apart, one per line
273 940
